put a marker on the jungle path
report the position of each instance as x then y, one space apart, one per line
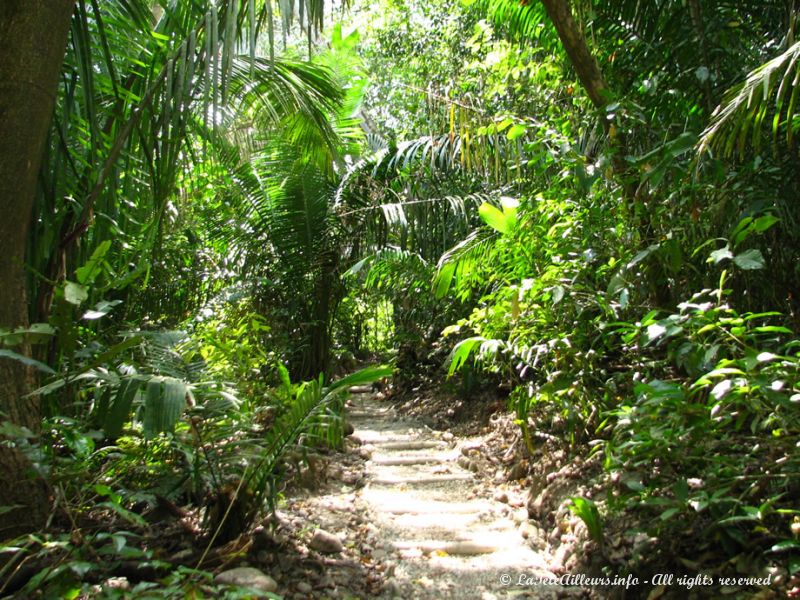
441 533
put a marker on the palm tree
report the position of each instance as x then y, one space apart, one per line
141 92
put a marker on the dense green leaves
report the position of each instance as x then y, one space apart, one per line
214 226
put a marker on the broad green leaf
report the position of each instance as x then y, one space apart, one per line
75 293
624 296
587 511
461 353
764 222
286 381
516 131
363 376
165 400
557 294
81 568
669 513
101 309
771 329
750 260
721 389
120 408
641 255
654 332
494 217
39 329
785 545
103 490
89 271
443 279
718 256
502 125
681 144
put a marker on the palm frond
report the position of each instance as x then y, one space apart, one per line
315 406
523 22
460 263
771 90
133 87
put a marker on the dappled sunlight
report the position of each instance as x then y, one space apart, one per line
399 298
447 535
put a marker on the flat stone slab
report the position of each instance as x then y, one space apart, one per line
410 445
366 414
457 548
360 389
442 508
247 577
411 460
424 480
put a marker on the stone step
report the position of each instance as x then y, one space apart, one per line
430 507
435 526
375 436
410 445
422 480
390 461
456 548
360 389
367 414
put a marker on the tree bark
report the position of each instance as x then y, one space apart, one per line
33 38
582 59
696 11
599 92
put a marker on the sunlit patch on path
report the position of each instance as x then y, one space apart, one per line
442 533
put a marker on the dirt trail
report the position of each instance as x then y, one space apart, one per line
441 534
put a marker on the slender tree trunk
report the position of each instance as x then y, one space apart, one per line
696 11
599 92
582 59
33 38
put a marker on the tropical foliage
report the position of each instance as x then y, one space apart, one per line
586 208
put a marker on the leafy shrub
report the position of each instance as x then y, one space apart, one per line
708 438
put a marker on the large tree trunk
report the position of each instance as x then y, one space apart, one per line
33 38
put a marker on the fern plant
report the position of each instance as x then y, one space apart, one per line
253 464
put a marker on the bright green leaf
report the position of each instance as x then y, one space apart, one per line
494 217
516 131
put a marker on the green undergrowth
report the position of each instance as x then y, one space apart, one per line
178 444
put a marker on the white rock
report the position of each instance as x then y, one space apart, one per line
325 542
117 583
247 577
562 554
304 588
501 496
